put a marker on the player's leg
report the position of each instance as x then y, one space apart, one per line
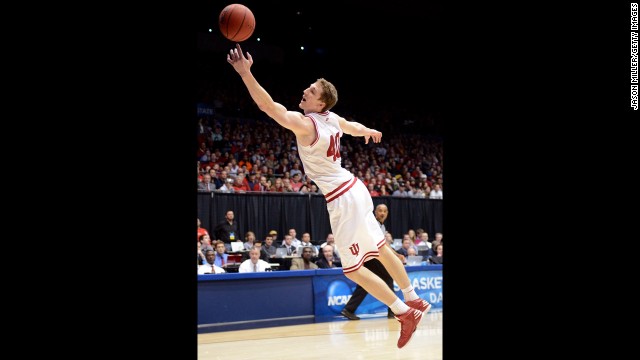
409 317
376 266
374 285
397 271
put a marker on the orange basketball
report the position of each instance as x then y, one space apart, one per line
237 22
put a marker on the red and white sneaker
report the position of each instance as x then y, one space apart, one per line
419 304
408 324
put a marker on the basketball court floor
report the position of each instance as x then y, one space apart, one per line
371 338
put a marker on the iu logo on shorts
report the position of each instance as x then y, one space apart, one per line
355 249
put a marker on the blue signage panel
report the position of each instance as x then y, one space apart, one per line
332 290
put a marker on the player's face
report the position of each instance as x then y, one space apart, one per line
311 98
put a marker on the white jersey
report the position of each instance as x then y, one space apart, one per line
357 232
321 159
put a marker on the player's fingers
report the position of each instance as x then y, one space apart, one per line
249 57
366 139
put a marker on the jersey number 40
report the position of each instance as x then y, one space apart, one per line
334 147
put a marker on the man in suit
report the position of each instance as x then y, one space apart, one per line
303 262
287 244
327 260
221 258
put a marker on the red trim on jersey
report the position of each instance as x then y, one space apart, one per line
315 126
338 188
381 243
367 256
329 197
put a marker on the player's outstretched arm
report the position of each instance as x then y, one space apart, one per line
354 128
288 119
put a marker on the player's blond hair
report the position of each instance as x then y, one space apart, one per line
329 94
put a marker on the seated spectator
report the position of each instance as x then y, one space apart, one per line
220 255
303 262
436 193
253 182
412 236
205 243
401 191
239 184
332 241
295 182
294 240
389 238
306 241
287 244
278 186
423 239
264 185
206 184
249 238
254 263
209 266
222 179
295 170
372 191
327 261
227 186
406 244
437 258
268 250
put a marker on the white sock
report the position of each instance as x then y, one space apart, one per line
399 307
410 294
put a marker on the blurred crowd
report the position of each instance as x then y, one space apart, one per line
242 154
223 250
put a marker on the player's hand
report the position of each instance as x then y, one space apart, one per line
373 134
239 62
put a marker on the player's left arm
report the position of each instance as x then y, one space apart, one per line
354 128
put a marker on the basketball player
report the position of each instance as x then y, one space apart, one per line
357 233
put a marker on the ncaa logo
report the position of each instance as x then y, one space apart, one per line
338 294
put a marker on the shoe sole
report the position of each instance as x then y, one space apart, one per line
426 310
